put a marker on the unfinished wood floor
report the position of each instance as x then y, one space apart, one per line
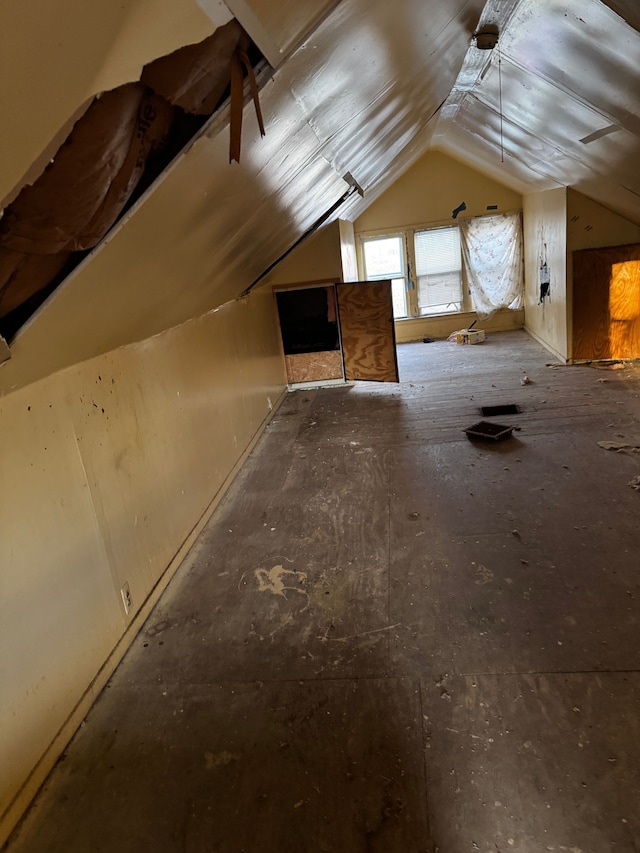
389 639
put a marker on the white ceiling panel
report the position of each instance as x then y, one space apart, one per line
561 73
373 74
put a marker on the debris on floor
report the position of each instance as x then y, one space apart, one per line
598 365
635 483
525 381
468 336
620 447
609 365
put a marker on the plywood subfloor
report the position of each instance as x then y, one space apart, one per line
389 639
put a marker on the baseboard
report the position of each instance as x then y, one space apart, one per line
544 343
17 809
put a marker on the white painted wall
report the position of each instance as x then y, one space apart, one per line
428 192
442 326
106 469
545 236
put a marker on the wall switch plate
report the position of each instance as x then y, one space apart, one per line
125 592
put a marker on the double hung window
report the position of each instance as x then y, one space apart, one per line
475 264
384 258
425 268
438 270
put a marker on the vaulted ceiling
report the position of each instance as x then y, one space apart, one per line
363 87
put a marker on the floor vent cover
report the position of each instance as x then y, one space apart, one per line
488 431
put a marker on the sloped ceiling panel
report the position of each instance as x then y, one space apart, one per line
373 75
198 241
278 27
555 104
354 97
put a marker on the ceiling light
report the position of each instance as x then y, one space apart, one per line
487 37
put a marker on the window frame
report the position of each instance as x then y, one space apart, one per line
362 266
408 234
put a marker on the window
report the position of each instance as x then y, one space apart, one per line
438 270
383 258
474 265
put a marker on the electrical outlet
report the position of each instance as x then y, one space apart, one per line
125 592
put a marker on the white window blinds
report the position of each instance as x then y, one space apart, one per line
438 270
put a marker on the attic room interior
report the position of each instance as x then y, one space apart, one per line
260 591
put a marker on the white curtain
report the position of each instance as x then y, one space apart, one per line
492 254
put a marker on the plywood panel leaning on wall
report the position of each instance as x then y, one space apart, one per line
606 312
368 335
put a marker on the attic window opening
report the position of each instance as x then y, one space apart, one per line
439 270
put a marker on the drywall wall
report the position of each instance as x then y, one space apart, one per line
348 252
430 190
591 226
545 240
111 465
317 258
50 71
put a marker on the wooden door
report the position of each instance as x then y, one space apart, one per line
367 331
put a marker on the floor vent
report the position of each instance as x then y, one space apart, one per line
493 411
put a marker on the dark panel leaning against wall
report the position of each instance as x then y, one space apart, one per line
606 305
114 152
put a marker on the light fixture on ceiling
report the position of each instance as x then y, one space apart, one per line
487 37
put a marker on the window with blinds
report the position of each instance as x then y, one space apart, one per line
438 270
383 259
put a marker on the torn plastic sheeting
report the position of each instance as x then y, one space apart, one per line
82 191
23 275
195 77
5 352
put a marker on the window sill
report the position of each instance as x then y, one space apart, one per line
442 325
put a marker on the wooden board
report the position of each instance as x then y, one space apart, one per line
314 366
606 312
367 330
